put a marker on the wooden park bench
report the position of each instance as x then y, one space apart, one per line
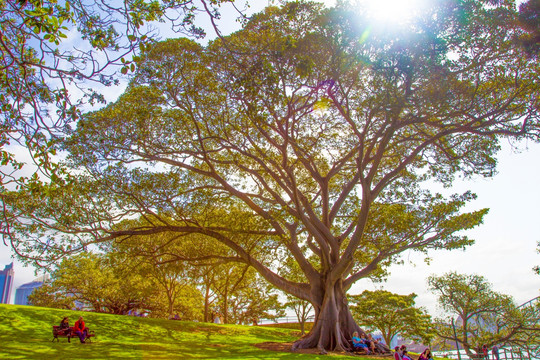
57 332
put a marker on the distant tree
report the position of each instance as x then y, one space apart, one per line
48 296
391 314
481 315
98 282
254 302
188 304
156 257
208 278
536 269
231 282
209 260
302 309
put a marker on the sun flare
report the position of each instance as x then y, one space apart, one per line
394 11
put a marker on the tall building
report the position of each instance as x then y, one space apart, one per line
23 291
6 282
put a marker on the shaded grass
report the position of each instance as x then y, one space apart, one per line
26 333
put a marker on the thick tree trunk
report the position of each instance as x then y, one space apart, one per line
334 325
225 309
207 305
171 304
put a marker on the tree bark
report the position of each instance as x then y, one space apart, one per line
171 303
207 304
334 324
225 308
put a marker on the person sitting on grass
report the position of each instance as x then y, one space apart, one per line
426 355
372 342
397 353
359 344
80 329
406 355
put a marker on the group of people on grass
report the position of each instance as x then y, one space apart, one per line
364 343
400 353
79 329
367 344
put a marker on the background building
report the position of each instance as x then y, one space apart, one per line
23 291
6 282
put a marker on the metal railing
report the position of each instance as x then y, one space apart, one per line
286 320
504 354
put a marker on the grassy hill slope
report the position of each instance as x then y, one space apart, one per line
26 333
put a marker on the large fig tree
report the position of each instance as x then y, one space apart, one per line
309 134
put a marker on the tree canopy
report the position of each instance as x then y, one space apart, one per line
391 314
482 315
57 57
529 18
308 134
97 282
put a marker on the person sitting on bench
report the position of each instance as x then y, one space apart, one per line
80 330
64 327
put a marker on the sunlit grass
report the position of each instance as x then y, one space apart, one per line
26 333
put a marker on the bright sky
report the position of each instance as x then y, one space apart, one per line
505 248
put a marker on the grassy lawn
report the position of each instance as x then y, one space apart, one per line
26 333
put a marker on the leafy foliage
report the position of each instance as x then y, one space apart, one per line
48 296
57 57
302 308
391 314
482 316
256 302
529 19
157 258
179 265
95 282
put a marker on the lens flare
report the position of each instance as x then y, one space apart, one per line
394 11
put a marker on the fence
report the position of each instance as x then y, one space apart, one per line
504 354
286 320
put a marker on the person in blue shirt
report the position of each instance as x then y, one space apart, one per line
405 355
359 343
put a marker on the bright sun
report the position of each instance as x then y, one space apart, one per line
394 11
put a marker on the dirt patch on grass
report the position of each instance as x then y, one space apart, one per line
287 347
